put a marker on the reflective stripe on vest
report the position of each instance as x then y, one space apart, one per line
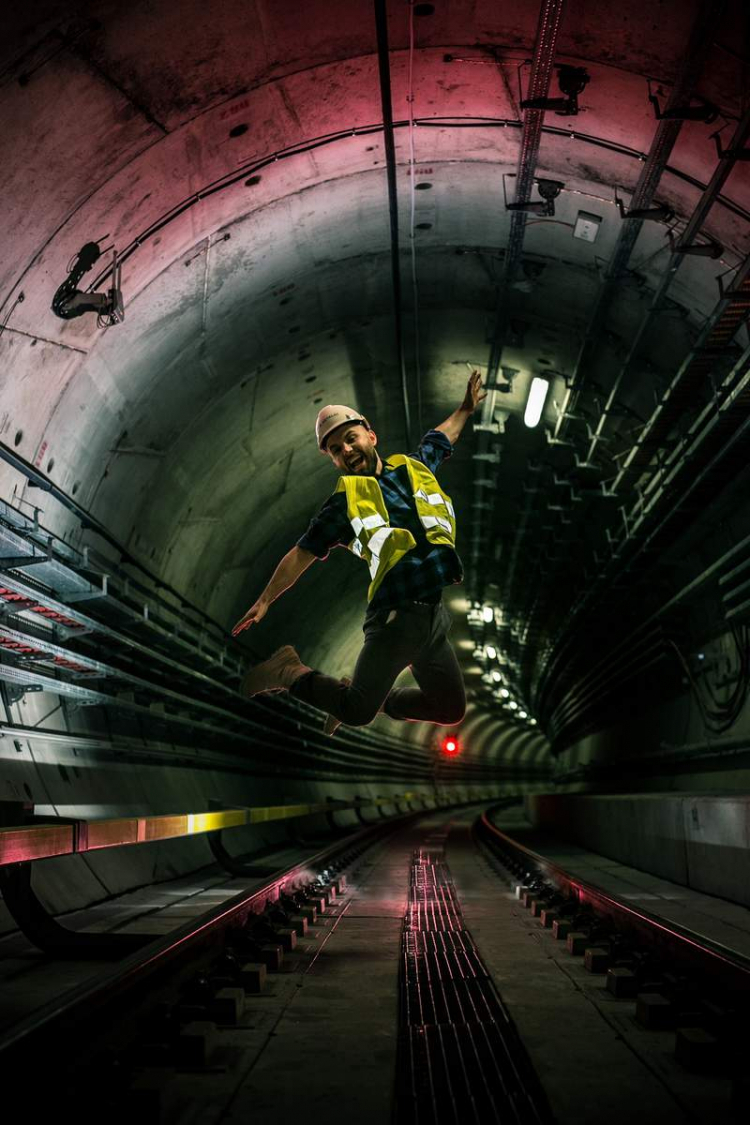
434 506
376 542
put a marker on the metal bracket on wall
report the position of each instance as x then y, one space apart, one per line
233 864
21 562
35 921
704 111
16 692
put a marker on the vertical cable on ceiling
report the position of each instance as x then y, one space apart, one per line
412 225
381 27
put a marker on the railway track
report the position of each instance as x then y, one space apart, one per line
680 980
165 999
106 1045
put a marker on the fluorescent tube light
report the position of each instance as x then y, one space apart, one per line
535 401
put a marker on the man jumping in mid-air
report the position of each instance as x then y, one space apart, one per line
394 515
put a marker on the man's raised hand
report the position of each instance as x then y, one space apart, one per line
474 393
255 614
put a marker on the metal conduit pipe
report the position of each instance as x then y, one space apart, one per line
643 535
37 479
276 157
646 504
718 332
726 430
548 26
692 230
550 17
654 166
682 458
549 680
580 701
639 641
714 436
384 70
697 51
590 718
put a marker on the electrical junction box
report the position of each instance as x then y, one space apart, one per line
587 226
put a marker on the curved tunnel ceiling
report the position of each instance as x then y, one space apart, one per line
234 154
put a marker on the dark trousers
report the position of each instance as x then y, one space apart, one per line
413 636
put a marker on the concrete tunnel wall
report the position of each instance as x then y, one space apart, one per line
187 429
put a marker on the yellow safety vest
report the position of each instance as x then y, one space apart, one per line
375 541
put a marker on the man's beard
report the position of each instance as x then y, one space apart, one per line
367 467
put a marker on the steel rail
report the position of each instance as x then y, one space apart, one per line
685 946
56 1032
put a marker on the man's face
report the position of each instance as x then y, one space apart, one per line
352 450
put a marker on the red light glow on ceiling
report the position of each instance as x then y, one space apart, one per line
451 745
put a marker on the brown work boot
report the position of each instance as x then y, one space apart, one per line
278 673
332 724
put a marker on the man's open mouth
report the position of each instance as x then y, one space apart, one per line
355 462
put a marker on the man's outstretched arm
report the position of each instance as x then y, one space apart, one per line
453 425
293 564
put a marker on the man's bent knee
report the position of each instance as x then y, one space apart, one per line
358 713
451 717
359 718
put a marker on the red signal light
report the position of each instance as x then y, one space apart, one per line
451 745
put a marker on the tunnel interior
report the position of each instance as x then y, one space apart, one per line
569 199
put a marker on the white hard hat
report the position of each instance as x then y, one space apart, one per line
330 418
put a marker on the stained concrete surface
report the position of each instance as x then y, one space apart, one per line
30 978
322 1038
595 1063
333 1050
727 923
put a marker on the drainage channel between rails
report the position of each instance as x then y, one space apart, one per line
460 1058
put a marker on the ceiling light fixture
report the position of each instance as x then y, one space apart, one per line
490 652
535 401
488 614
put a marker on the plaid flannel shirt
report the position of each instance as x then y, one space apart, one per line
423 572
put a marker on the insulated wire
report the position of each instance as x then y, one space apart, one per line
412 208
725 714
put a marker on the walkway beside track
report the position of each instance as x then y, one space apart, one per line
594 1061
720 921
322 1037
